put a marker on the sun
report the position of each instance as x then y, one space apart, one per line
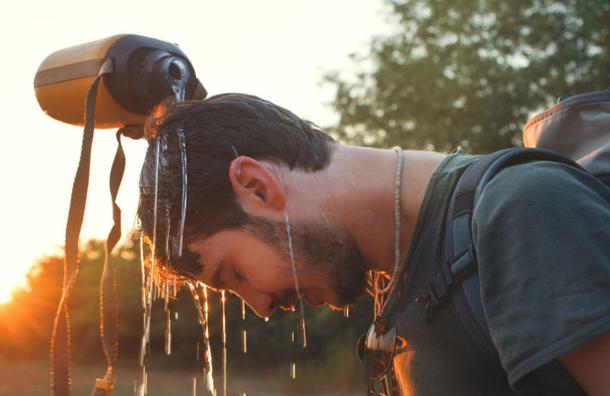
9 282
5 296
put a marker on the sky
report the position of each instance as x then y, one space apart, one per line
276 49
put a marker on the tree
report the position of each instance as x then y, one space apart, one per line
470 72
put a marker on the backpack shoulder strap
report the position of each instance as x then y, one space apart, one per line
458 275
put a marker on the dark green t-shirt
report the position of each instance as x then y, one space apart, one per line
542 234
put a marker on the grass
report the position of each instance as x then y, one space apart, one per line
31 378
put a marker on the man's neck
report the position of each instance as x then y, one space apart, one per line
361 190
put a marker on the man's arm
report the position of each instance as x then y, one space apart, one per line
543 237
589 364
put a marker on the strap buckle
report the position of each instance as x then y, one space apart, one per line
452 273
380 386
102 387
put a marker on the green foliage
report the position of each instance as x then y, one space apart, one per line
470 72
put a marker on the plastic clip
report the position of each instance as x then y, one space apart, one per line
102 387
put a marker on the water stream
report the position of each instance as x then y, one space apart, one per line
223 299
159 283
199 292
244 331
301 328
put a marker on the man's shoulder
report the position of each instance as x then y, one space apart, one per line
542 183
538 176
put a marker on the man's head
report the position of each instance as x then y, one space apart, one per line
239 149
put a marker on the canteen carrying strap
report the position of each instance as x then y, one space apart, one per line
120 80
108 305
60 340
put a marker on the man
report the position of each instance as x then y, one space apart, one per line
265 187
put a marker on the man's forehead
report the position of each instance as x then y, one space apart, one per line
210 246
218 243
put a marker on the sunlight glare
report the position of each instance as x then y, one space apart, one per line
9 282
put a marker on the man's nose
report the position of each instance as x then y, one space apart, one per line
260 303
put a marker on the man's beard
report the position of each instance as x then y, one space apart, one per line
332 253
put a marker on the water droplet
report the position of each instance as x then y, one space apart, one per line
266 319
179 90
346 312
244 341
293 370
168 333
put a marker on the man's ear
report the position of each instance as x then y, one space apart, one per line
255 186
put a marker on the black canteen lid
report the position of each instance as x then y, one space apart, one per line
143 68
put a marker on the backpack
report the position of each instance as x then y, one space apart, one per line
576 132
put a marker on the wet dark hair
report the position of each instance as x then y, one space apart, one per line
216 130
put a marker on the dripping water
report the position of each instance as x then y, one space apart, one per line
224 343
145 375
293 370
244 341
202 314
244 331
168 319
143 273
168 333
183 165
151 283
153 286
179 89
209 377
346 312
145 306
148 284
301 328
141 389
168 288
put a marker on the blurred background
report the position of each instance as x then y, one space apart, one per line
432 74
